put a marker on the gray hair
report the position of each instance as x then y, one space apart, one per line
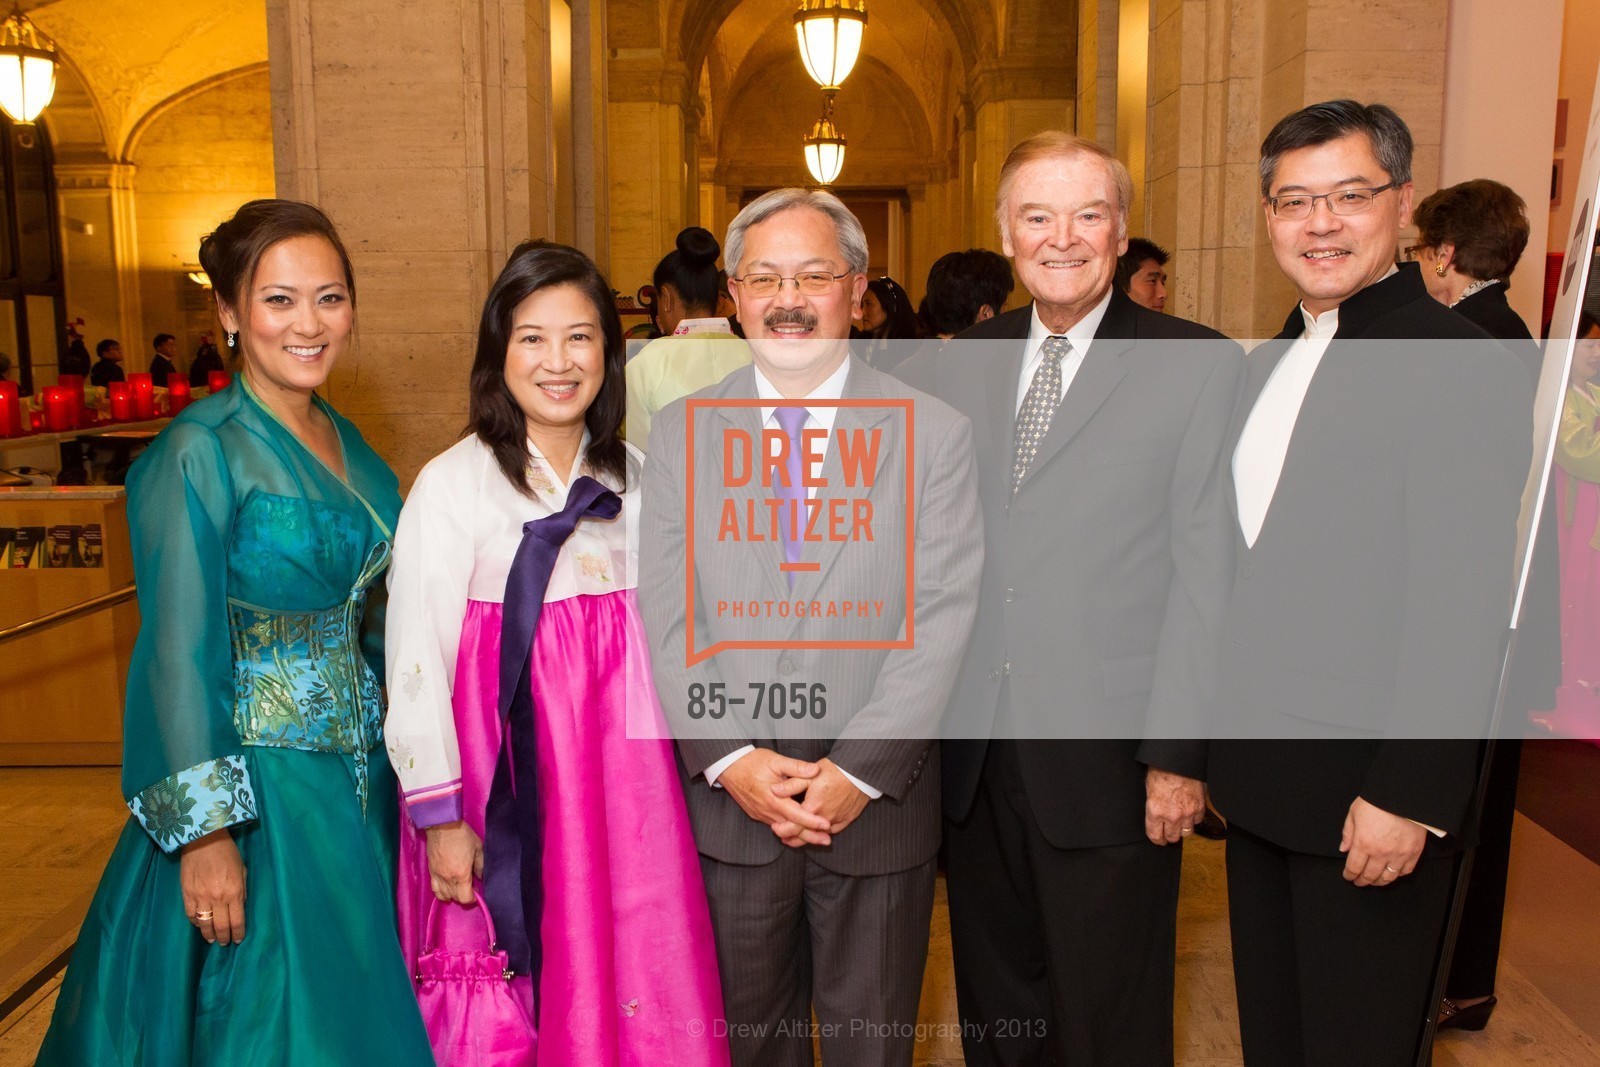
1331 120
852 238
1059 144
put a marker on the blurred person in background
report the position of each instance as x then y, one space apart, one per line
1470 237
888 324
964 289
698 348
163 364
108 366
206 360
1142 273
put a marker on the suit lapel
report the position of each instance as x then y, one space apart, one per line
748 499
862 384
1097 378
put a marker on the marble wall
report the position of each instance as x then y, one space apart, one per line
423 131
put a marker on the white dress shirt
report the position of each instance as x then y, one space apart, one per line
1264 442
1080 334
821 418
1258 459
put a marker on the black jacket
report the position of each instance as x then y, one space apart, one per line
1366 622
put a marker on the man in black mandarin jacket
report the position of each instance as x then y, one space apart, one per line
1377 461
1071 765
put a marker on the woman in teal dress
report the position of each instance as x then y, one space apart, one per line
247 914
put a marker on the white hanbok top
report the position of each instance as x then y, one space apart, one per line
457 537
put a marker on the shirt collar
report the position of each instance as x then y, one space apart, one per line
832 388
711 325
1080 333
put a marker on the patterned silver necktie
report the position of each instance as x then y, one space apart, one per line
1039 406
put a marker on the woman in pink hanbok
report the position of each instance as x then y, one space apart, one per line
540 782
1577 498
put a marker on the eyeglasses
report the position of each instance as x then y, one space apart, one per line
1341 202
809 282
1412 250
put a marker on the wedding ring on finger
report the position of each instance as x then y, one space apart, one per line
1186 831
1390 869
202 916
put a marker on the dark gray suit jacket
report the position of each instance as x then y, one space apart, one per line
1106 577
882 705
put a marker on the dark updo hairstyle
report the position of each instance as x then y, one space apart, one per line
1486 221
900 318
493 413
691 269
230 254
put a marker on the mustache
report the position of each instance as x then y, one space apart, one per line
790 317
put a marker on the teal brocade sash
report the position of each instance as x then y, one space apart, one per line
301 681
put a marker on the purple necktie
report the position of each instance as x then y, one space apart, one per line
792 518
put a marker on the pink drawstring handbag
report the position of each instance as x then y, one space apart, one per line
474 1019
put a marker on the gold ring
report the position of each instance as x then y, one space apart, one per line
1187 830
203 916
1390 869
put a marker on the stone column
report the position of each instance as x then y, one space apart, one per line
102 267
1222 73
421 130
1097 70
653 119
1012 101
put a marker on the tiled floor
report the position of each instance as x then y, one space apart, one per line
60 824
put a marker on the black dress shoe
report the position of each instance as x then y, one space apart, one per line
1472 1017
1211 827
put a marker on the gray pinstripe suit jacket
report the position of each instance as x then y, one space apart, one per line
882 705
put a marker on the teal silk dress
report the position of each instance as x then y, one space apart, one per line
253 703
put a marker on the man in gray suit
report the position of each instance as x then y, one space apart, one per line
817 835
1099 427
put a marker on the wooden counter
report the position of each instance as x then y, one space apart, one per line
61 690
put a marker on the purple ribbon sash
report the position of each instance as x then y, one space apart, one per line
512 887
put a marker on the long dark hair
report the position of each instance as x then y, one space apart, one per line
899 317
493 413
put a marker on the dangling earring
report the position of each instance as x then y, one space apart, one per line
234 337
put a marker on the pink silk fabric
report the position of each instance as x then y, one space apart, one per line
630 969
1577 711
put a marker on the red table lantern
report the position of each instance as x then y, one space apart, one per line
144 395
10 410
121 395
60 409
177 393
217 380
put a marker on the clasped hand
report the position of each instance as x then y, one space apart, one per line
766 784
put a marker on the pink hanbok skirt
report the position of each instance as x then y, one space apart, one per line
630 969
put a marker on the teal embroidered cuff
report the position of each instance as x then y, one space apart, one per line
193 803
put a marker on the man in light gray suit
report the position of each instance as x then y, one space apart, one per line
817 835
